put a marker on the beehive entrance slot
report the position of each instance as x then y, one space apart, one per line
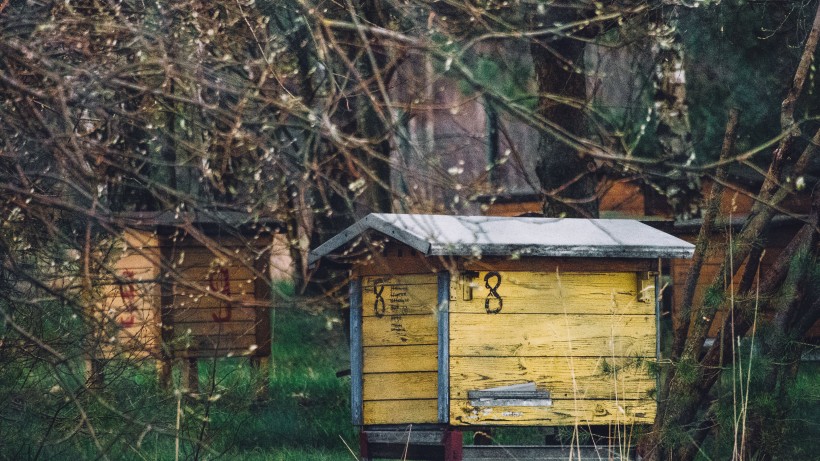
518 395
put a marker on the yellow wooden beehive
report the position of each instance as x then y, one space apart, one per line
493 321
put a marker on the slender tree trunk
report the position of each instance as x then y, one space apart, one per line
674 132
684 311
352 179
493 166
375 122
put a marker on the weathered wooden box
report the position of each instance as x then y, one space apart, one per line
492 321
185 287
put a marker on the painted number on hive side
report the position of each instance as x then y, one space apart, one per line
493 294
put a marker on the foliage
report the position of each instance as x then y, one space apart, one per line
742 55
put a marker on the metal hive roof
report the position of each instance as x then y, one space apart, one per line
504 236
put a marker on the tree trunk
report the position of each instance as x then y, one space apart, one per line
684 311
374 122
781 341
566 177
682 190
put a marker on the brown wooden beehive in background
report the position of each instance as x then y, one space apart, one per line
189 287
219 298
783 229
734 208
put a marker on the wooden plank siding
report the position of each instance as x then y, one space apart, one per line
409 358
622 198
216 306
565 377
587 337
548 293
399 411
397 259
561 413
619 198
552 335
399 327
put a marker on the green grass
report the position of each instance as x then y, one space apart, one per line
304 415
804 420
800 427
307 406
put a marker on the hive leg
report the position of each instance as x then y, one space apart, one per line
452 445
364 451
164 373
94 372
262 367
